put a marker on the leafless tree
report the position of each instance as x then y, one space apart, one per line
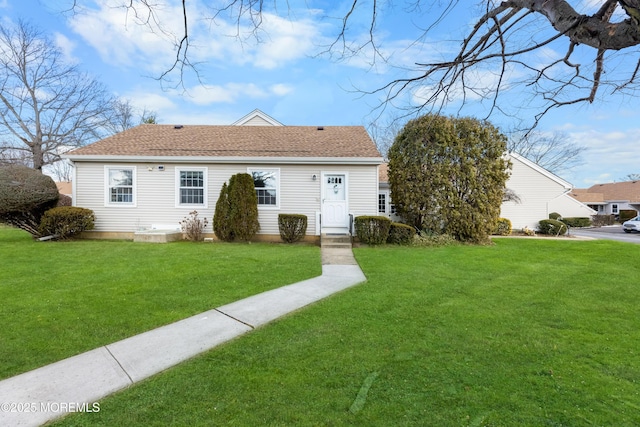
46 104
630 177
553 151
124 115
494 57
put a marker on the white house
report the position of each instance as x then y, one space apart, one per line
152 176
539 191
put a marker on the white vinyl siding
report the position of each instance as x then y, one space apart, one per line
156 191
535 191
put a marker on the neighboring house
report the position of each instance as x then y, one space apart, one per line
152 176
610 199
539 191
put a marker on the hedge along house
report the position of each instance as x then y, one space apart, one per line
152 176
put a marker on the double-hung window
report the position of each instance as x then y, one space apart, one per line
191 187
266 183
120 186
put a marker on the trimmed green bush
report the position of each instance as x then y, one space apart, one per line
600 220
577 221
292 227
372 230
66 221
503 227
426 239
400 234
552 227
627 214
25 195
555 215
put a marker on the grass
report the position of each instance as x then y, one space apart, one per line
526 332
62 298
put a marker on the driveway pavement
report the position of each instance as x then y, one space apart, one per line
612 232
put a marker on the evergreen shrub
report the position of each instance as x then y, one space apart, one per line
552 227
400 234
627 214
503 227
292 227
66 221
243 203
372 230
221 222
577 221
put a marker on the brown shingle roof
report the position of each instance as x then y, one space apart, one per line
383 172
235 141
615 191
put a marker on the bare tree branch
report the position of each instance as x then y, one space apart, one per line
500 42
45 104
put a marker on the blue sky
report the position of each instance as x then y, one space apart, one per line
286 76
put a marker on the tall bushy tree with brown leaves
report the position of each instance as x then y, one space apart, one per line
448 175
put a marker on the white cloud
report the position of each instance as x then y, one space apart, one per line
609 156
124 39
121 38
281 89
232 92
66 46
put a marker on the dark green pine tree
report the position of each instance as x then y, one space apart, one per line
243 203
221 218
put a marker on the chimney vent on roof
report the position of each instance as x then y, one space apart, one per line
320 127
178 127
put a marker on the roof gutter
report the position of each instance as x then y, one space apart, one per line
226 160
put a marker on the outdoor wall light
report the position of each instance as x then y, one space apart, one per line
314 177
150 168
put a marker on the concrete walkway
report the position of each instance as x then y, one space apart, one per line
77 383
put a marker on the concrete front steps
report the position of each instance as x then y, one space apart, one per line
339 241
336 249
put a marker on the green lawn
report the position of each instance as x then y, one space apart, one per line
522 333
63 298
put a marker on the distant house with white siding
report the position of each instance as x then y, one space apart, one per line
539 192
152 176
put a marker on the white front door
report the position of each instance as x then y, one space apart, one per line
334 203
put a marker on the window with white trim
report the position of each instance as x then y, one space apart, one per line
191 189
120 185
266 183
614 209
